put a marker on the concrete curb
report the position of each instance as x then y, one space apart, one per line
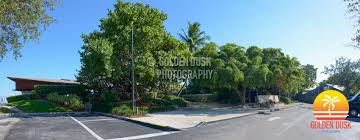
151 125
253 113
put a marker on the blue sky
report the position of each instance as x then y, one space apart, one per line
315 32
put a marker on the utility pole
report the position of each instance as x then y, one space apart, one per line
132 68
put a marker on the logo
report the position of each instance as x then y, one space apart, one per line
330 105
330 110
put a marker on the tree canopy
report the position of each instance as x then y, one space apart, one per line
21 21
105 58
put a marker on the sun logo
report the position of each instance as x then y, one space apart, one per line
330 105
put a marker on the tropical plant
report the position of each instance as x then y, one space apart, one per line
194 37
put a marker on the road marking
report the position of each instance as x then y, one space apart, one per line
98 120
273 118
143 136
88 129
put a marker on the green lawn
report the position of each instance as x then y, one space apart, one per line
4 110
31 106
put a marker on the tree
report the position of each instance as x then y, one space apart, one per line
309 75
344 73
21 21
194 37
105 54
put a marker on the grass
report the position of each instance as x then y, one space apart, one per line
4 110
32 106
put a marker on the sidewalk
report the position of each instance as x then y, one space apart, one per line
196 115
6 125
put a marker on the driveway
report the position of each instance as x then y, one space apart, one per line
200 113
79 127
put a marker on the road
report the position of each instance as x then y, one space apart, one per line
288 124
291 123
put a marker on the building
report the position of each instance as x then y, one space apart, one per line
26 85
310 95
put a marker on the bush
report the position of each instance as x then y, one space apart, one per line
200 97
175 100
285 100
122 110
43 90
72 101
22 97
112 97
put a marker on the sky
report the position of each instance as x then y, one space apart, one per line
314 31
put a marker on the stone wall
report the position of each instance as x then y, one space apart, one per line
266 98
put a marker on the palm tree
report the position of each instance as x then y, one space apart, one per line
194 37
330 102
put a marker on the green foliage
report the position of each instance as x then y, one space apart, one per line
200 97
194 37
31 106
344 73
22 97
122 110
21 21
4 110
237 69
105 54
43 90
71 101
285 100
309 75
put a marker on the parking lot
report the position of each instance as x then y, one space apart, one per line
80 127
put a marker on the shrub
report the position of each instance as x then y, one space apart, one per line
43 90
285 100
122 110
22 97
200 97
72 101
110 97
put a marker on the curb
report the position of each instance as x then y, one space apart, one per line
253 113
151 125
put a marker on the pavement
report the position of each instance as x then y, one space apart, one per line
79 127
288 123
199 114
5 126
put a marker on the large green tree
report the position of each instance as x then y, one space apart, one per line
22 20
105 55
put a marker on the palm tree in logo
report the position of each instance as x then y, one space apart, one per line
330 102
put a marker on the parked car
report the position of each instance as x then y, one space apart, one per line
354 105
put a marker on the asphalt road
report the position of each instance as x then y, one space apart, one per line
288 124
78 127
292 123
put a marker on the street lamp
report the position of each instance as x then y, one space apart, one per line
132 68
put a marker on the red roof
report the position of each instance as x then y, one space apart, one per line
29 83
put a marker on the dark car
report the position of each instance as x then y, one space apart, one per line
354 105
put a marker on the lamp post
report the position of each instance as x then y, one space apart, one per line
132 68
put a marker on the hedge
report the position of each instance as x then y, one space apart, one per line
200 97
22 97
43 90
285 100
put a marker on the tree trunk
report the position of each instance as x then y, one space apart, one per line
241 91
